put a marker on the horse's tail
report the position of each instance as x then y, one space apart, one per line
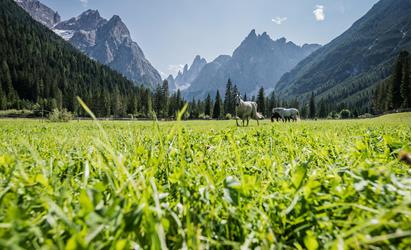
256 114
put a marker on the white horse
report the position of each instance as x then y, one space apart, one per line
246 110
286 114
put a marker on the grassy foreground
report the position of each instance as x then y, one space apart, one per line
205 184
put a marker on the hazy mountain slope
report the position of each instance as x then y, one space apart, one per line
184 79
355 60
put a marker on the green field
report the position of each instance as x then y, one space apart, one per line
205 184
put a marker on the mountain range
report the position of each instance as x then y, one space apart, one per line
349 67
346 70
107 41
258 62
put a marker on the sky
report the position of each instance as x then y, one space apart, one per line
172 32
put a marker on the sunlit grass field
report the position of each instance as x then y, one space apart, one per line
205 184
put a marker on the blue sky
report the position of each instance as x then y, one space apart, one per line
172 32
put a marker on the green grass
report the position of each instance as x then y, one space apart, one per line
205 184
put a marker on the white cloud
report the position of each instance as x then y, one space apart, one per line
279 20
84 2
175 68
163 74
319 13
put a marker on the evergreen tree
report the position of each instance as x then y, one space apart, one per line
406 81
179 101
149 105
158 100
194 113
304 111
396 98
165 98
271 102
208 105
233 103
217 109
323 112
261 100
312 107
228 101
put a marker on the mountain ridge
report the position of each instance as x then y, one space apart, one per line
355 60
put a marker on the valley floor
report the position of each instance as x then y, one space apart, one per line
205 184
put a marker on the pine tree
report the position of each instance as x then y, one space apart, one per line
193 109
165 98
217 109
233 103
157 100
261 100
396 97
208 105
179 101
304 111
406 81
323 113
227 103
312 107
271 102
149 105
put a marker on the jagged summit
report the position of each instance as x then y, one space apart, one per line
185 78
88 21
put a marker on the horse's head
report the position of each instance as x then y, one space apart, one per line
237 100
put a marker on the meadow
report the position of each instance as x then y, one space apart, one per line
326 184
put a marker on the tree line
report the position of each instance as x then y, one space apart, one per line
394 92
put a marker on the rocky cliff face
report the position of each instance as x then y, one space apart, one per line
184 79
107 41
258 62
40 12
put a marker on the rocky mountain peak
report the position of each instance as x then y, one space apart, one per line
40 12
252 34
87 21
91 13
116 29
198 61
185 78
281 40
264 36
185 68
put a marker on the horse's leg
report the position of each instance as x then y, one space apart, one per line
248 121
257 121
236 121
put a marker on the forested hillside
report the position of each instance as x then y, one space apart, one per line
37 66
346 70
